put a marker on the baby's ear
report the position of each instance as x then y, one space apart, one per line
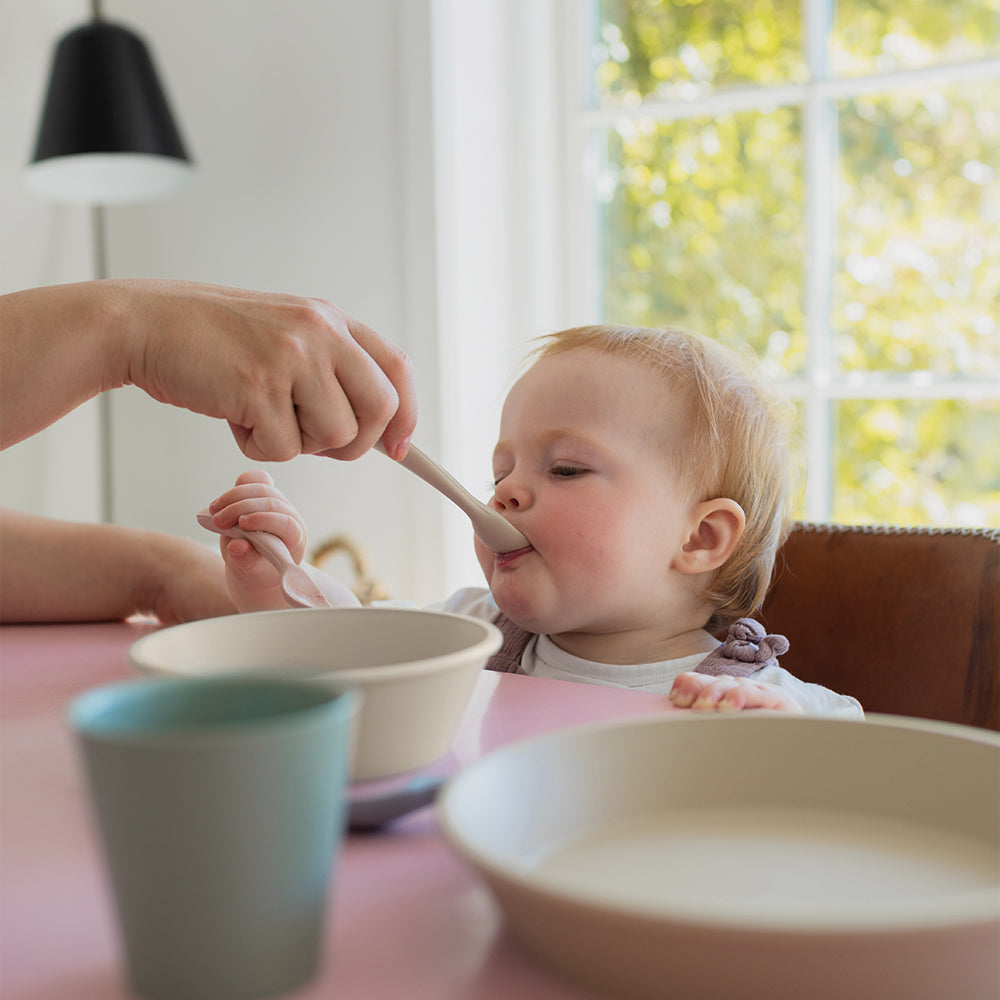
716 528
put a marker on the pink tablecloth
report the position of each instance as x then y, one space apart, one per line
407 919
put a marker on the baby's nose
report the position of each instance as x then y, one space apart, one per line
509 494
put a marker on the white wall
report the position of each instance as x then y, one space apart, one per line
41 244
333 160
294 113
311 126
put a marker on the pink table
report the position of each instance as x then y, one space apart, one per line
407 917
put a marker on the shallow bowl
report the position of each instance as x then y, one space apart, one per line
738 857
414 669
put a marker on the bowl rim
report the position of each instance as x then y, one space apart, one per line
472 656
973 908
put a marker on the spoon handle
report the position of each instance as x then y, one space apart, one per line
499 534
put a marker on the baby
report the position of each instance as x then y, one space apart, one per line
651 473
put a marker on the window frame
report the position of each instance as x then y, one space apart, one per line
821 386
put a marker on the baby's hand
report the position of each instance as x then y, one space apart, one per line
256 505
729 694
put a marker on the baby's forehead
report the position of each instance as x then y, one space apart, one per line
583 386
589 364
576 370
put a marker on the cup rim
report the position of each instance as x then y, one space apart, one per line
90 712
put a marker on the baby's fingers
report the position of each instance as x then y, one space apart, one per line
254 485
722 694
285 526
687 687
704 691
240 555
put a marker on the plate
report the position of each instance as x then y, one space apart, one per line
750 856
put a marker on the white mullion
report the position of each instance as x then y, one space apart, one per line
754 98
819 140
582 296
842 88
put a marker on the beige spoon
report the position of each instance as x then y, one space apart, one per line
489 525
297 585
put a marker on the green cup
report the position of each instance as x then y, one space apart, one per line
220 805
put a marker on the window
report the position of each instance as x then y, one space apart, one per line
822 181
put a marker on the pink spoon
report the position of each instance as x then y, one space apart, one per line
297 585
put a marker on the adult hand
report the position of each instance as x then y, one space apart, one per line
291 375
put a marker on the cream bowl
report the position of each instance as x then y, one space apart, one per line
414 669
716 858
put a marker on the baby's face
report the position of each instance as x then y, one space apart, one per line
581 468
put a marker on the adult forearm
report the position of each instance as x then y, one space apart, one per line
61 571
290 375
59 346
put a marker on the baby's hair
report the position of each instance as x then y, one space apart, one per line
738 444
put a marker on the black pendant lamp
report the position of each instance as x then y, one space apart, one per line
106 135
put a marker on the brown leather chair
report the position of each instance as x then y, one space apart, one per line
907 620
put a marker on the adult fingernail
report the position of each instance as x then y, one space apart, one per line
399 449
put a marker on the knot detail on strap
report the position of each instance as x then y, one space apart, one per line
507 660
746 649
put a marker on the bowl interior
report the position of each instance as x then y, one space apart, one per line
761 821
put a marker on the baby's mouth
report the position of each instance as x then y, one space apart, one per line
506 558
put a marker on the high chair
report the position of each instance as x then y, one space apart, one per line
907 620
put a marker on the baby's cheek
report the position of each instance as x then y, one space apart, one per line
486 559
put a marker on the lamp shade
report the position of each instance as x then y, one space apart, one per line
106 134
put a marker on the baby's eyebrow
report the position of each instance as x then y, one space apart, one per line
502 450
572 437
552 437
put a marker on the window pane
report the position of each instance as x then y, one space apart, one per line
702 227
879 37
670 51
918 284
917 462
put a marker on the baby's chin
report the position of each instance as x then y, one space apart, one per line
519 611
526 616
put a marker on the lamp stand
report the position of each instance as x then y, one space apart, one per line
104 440
106 136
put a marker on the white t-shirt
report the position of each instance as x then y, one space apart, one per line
543 658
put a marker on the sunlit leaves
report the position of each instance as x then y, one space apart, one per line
704 227
918 283
668 50
703 223
879 36
917 462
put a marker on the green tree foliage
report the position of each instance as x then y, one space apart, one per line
703 222
918 281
